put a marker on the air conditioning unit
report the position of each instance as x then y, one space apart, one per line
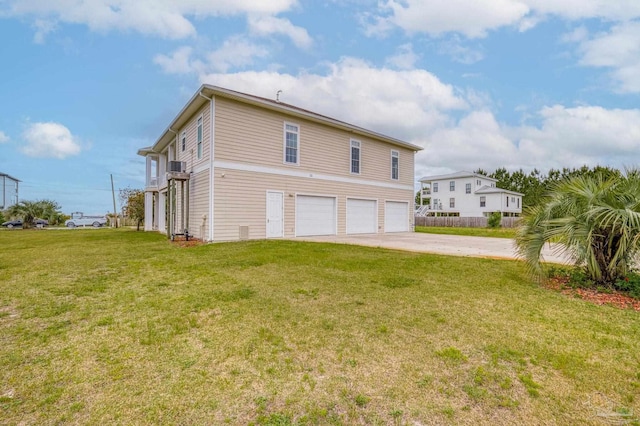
177 166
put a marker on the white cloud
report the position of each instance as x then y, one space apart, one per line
3 137
235 52
404 104
179 62
619 50
404 59
476 18
42 27
267 25
435 17
459 52
169 19
49 140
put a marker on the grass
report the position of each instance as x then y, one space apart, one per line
117 326
469 232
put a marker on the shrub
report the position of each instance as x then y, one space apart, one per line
630 284
494 220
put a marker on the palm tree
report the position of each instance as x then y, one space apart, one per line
595 220
28 211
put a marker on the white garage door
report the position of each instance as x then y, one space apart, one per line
396 216
362 216
315 215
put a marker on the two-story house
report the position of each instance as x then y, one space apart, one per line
236 166
8 190
468 194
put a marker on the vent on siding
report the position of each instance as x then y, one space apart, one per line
244 232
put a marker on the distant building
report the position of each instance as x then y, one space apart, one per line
468 194
8 191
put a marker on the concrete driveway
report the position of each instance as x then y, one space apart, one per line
454 245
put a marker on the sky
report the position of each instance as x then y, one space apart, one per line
479 84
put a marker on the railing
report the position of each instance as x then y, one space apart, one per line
152 181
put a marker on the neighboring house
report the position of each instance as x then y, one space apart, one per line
8 191
467 194
234 166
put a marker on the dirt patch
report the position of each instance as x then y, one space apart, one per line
181 241
613 298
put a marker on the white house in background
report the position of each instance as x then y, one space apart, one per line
8 190
234 166
468 194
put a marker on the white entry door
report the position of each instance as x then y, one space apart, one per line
396 216
362 216
315 215
275 222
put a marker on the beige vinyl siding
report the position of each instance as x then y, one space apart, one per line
240 200
199 206
248 134
190 154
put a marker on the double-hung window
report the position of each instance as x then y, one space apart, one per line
452 185
355 157
199 137
467 188
483 201
395 165
183 141
435 187
291 143
452 203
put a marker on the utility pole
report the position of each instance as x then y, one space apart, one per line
115 213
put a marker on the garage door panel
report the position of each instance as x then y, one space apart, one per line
315 215
396 215
362 216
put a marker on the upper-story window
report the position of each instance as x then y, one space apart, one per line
291 143
395 165
355 156
483 201
518 202
199 137
435 187
478 182
183 141
507 201
452 185
452 203
467 188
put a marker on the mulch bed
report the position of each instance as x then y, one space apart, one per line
613 298
181 241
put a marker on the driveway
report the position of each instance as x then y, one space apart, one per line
454 245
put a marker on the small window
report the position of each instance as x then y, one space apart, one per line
478 182
452 203
467 188
291 143
199 138
435 187
395 165
483 201
507 201
183 141
355 157
513 199
518 202
452 185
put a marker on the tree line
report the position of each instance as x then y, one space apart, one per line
534 185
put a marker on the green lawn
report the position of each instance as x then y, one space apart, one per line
470 232
117 326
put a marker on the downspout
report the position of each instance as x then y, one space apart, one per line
212 112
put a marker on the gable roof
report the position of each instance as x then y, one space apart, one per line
10 177
456 175
206 92
492 190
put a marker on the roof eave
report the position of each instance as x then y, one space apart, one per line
208 91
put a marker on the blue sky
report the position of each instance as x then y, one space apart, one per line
489 83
